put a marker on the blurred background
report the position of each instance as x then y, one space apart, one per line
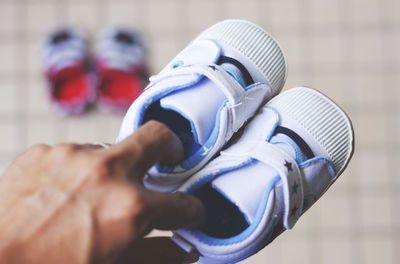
348 49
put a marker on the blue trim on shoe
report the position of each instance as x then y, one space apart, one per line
248 231
265 242
297 139
284 139
248 80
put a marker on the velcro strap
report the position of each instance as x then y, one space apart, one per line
233 91
202 51
289 172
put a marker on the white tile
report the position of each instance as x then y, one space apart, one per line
284 14
107 126
366 12
367 49
195 13
162 15
90 128
334 211
9 18
295 251
336 250
327 49
394 179
4 163
269 254
34 49
9 140
372 168
369 90
129 13
330 84
379 250
42 132
9 57
249 11
8 97
292 45
37 92
370 129
162 51
82 14
295 78
375 211
325 13
42 16
395 201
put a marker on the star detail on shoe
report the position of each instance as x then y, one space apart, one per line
294 210
178 169
212 67
206 150
294 187
288 165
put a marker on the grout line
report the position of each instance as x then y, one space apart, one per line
389 45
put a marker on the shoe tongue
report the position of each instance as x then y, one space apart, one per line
247 187
199 105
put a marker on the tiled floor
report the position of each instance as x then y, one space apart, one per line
348 49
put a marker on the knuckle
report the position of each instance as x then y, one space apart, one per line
139 149
38 148
35 151
66 149
139 207
99 168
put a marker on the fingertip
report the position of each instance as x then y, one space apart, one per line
176 210
153 142
198 212
173 153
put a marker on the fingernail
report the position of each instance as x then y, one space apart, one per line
191 257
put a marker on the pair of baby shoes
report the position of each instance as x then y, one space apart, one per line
257 160
114 77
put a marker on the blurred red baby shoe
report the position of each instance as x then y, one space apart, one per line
121 68
66 61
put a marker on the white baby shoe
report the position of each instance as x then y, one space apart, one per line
206 94
276 168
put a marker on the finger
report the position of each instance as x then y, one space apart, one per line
155 250
171 211
151 143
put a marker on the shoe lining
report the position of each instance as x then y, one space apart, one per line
224 219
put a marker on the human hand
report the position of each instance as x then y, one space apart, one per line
85 204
